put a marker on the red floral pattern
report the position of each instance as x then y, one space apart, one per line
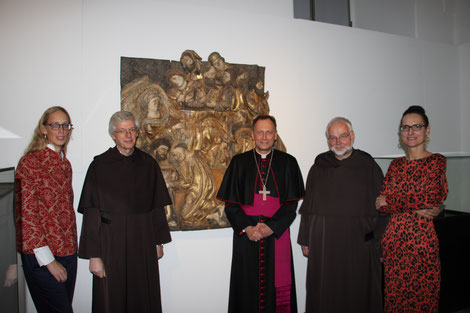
44 204
410 244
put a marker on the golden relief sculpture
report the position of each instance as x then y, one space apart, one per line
194 117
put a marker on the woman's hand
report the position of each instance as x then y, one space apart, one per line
11 276
380 201
431 213
58 271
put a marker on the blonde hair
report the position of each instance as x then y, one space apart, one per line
39 140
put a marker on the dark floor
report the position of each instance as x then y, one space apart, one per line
463 311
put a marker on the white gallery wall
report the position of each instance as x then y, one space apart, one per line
464 69
67 52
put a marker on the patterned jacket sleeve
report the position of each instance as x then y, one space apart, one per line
30 232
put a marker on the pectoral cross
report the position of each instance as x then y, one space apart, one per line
264 192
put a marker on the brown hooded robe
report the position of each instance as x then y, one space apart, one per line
342 228
123 220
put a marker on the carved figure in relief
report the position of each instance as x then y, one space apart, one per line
154 108
192 64
160 150
243 140
220 67
199 186
186 94
178 133
257 99
212 91
195 116
213 141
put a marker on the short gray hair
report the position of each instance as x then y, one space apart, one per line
338 119
121 116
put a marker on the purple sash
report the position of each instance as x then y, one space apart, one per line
282 252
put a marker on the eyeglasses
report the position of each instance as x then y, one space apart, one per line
414 127
341 137
123 131
56 126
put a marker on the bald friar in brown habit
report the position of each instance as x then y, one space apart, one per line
340 229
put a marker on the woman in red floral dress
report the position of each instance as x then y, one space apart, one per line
413 191
45 219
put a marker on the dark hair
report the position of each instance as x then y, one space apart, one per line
264 117
161 142
175 70
416 109
213 56
181 145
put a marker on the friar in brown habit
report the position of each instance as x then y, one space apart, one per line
340 229
124 223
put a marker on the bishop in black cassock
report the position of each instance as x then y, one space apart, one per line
254 273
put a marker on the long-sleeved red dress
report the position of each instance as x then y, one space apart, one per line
410 244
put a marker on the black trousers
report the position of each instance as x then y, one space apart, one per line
50 296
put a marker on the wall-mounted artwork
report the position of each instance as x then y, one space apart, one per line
194 116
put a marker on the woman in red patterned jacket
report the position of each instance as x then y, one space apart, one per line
45 218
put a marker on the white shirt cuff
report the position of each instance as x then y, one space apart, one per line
43 255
